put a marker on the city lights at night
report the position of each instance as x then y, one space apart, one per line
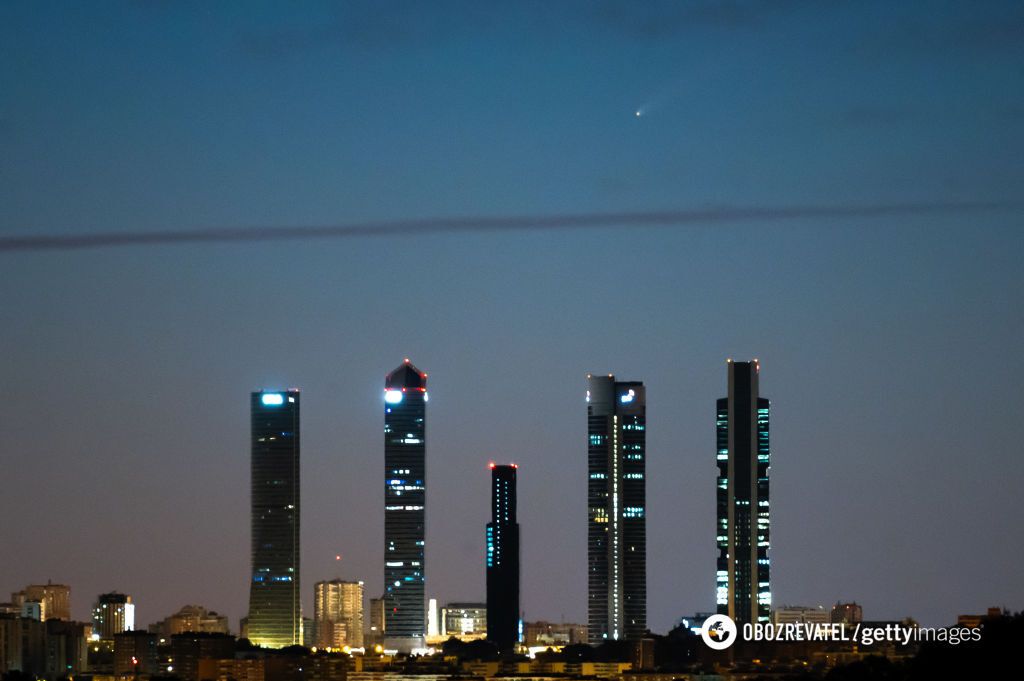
721 302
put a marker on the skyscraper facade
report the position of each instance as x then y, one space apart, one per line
405 443
464 621
55 599
376 632
616 516
503 560
743 589
113 613
275 615
338 614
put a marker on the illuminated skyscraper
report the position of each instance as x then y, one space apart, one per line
405 438
275 615
743 591
503 560
616 519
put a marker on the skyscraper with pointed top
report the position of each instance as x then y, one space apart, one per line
503 559
275 613
743 588
617 509
405 443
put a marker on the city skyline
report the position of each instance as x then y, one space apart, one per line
400 377
890 340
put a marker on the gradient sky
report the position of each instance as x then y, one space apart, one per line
891 348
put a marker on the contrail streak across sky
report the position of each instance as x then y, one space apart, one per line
505 223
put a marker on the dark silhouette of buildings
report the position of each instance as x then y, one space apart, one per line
847 613
135 654
188 649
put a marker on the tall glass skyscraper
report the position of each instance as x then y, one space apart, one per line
503 560
617 510
743 588
405 443
275 615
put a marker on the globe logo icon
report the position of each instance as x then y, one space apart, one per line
718 632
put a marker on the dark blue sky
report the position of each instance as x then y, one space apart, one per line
891 348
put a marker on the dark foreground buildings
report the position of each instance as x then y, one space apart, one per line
616 514
743 590
503 560
275 616
405 443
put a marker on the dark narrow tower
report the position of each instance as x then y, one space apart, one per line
743 588
275 615
405 442
616 517
503 560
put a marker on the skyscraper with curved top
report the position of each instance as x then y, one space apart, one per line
405 444
275 615
617 509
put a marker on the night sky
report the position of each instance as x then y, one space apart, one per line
891 347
